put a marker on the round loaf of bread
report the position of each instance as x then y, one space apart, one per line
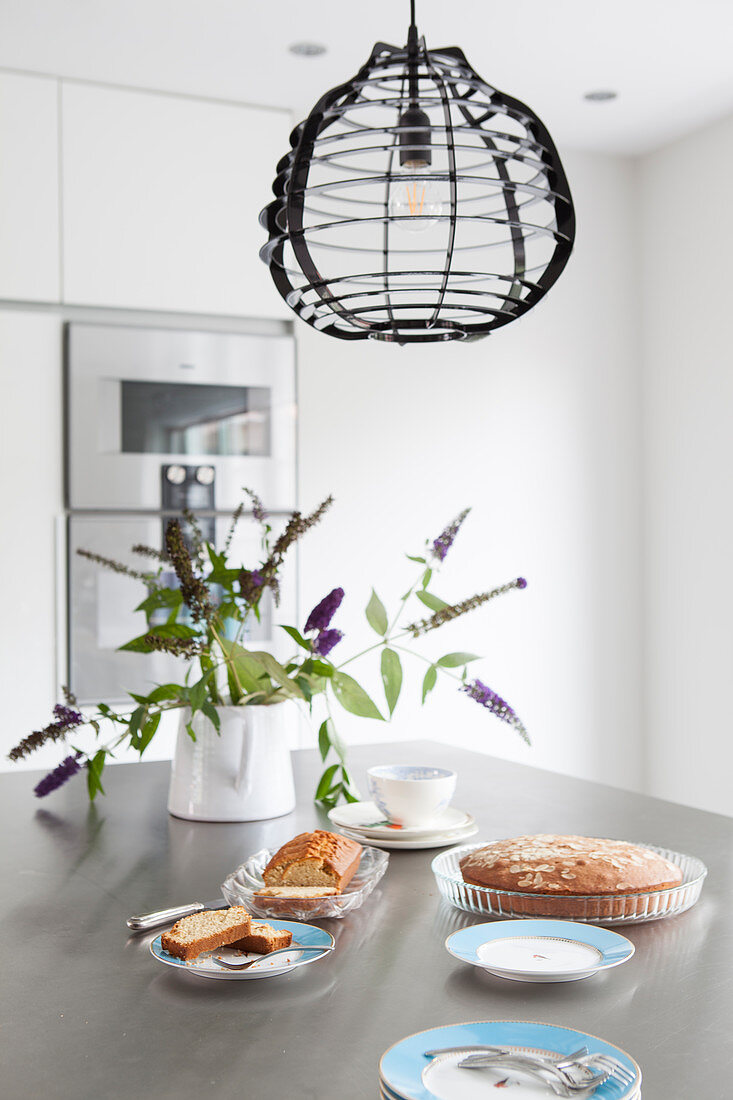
565 866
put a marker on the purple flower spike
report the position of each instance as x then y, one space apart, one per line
55 779
67 717
498 706
325 641
521 582
324 611
445 539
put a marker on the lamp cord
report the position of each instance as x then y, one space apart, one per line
412 13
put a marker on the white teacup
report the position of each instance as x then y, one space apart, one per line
411 794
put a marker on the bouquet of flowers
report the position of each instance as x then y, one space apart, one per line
207 612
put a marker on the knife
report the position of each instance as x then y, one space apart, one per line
147 921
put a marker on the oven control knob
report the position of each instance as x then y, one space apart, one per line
176 474
205 475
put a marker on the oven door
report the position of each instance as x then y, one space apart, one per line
101 613
139 401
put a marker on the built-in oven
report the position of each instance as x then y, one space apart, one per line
139 401
158 421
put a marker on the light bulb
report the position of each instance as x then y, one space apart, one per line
414 198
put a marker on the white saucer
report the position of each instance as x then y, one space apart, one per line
432 840
540 950
367 819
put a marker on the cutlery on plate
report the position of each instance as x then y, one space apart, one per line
261 958
561 1083
147 921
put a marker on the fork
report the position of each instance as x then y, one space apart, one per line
616 1070
280 951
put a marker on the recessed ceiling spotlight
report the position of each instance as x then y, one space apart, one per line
600 96
307 49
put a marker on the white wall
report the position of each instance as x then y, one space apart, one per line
537 427
687 238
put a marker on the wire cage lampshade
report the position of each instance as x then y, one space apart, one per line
417 204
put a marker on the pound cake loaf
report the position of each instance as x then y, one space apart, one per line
296 892
568 866
263 938
314 859
205 931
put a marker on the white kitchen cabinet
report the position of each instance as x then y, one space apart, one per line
161 196
29 188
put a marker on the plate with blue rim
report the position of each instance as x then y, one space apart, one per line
206 966
407 1073
540 950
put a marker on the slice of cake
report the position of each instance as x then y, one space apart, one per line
262 939
205 931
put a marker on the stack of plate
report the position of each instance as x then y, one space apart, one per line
364 822
407 1072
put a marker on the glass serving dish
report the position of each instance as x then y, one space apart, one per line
593 909
240 887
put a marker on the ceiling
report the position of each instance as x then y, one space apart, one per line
669 60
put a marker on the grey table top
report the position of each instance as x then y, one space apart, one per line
86 1011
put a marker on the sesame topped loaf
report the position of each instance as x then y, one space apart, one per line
263 938
568 866
314 859
205 931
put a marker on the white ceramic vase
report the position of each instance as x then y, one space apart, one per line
243 773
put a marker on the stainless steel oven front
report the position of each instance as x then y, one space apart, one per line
159 420
149 410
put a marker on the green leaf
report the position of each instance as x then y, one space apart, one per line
324 740
296 636
165 630
352 697
190 731
391 668
428 683
276 671
198 693
148 732
167 691
376 614
250 672
426 577
212 714
137 717
433 602
95 767
160 598
455 660
324 783
318 668
415 557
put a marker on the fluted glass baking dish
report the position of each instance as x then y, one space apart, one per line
594 909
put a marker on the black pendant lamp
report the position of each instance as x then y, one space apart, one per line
417 204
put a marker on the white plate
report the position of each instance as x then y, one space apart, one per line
433 840
540 950
205 965
406 1073
386 1093
367 819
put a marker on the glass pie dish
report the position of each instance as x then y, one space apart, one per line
240 887
593 909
